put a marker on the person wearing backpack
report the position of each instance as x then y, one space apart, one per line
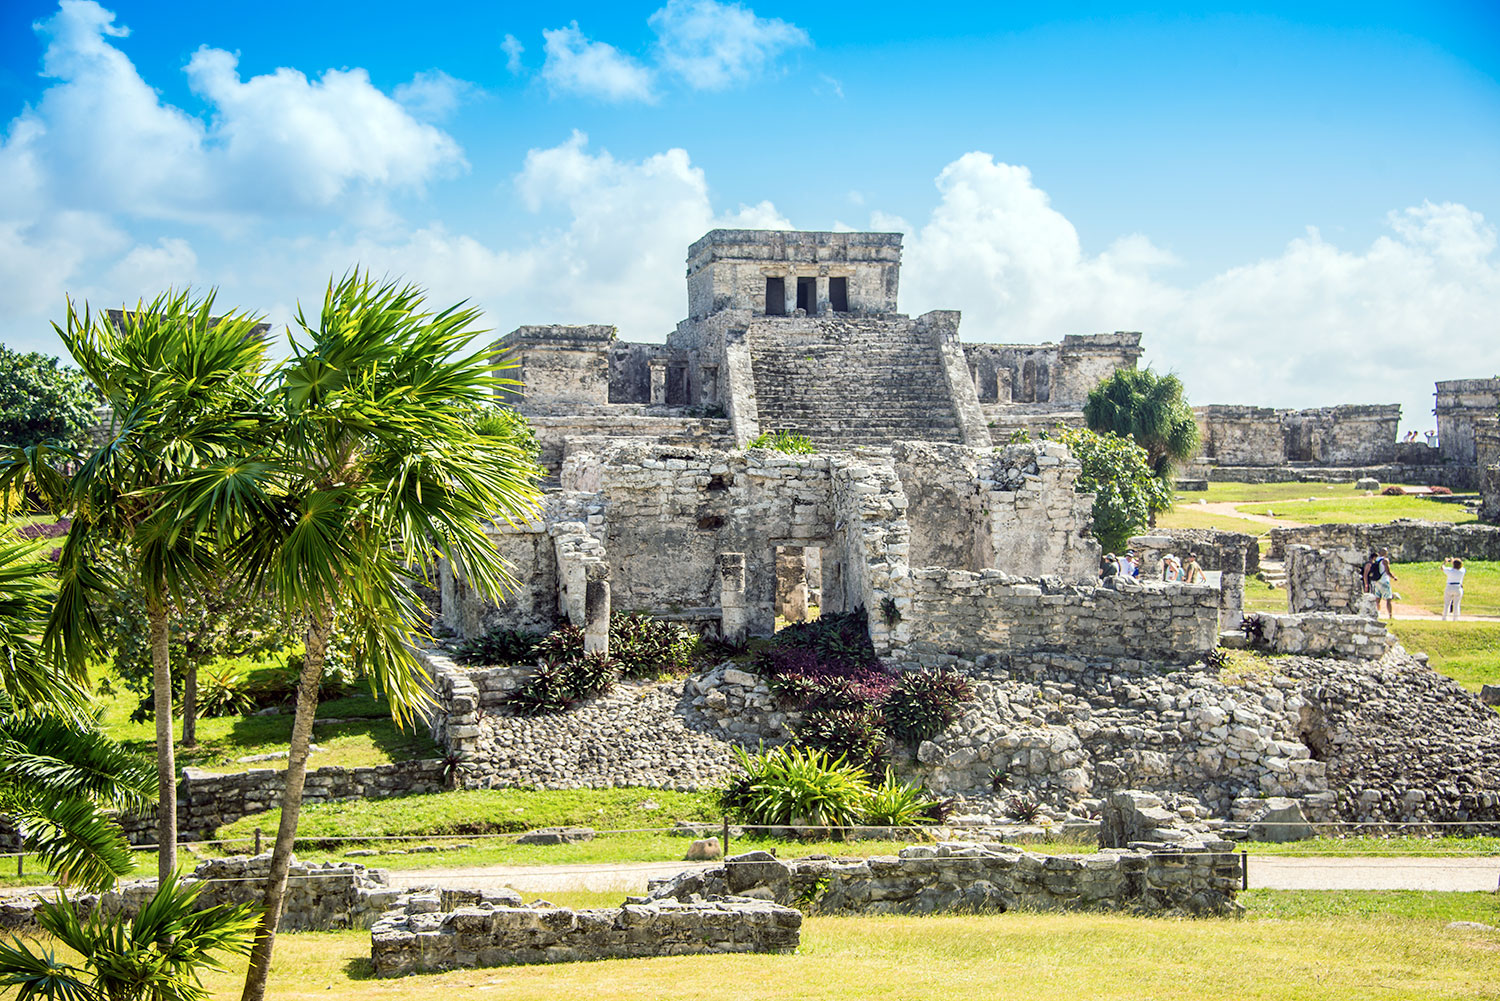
1381 580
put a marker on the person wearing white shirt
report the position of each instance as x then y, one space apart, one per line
1453 592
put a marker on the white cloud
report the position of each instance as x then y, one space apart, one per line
433 95
577 65
146 270
101 139
712 45
512 47
1314 325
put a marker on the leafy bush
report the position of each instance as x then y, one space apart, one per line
563 643
499 646
784 441
1025 806
894 803
644 647
855 733
790 786
42 399
803 680
924 702
559 685
844 638
1119 473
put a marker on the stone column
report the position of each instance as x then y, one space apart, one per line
825 306
734 621
708 390
1231 600
596 610
791 583
658 367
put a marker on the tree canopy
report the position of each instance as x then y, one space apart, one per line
1118 473
1150 409
42 399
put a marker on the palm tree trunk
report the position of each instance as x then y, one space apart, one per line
166 763
318 631
190 705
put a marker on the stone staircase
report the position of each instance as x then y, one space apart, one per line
848 382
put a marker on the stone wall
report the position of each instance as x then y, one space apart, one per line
420 938
319 896
1452 476
1234 435
968 614
1459 405
1049 373
208 800
558 363
1198 879
1327 580
1409 541
1229 555
1489 491
1325 634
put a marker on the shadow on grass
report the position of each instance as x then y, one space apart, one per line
360 968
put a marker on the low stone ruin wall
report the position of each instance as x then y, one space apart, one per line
1194 878
1409 541
319 896
1327 580
1489 490
967 614
208 800
1325 634
1227 552
1451 475
421 937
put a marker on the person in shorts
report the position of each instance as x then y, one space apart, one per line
1381 584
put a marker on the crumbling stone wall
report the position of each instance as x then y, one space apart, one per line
1460 404
1229 555
1409 541
1349 435
968 614
319 896
1197 879
419 938
1327 580
1325 634
558 363
208 800
1050 373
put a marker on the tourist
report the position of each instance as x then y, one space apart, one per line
1128 564
1453 591
1171 570
1381 580
1367 572
1193 573
1109 566
1432 439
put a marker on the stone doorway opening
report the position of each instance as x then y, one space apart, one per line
799 584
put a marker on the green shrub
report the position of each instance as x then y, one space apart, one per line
563 643
784 441
499 646
855 733
644 647
557 686
924 702
894 803
222 690
843 638
792 786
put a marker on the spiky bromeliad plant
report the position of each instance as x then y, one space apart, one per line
157 955
794 786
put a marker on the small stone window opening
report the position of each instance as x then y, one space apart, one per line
807 295
838 294
775 296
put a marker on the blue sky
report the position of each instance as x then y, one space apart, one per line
1296 204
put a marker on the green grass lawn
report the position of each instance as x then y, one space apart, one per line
1421 584
1291 490
1332 509
1467 652
370 737
1291 945
1261 597
1186 515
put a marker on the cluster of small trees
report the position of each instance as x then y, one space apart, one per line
323 483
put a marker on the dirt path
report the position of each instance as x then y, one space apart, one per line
1267 872
1229 510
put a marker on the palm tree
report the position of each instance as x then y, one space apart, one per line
386 464
57 771
1150 409
183 386
155 956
